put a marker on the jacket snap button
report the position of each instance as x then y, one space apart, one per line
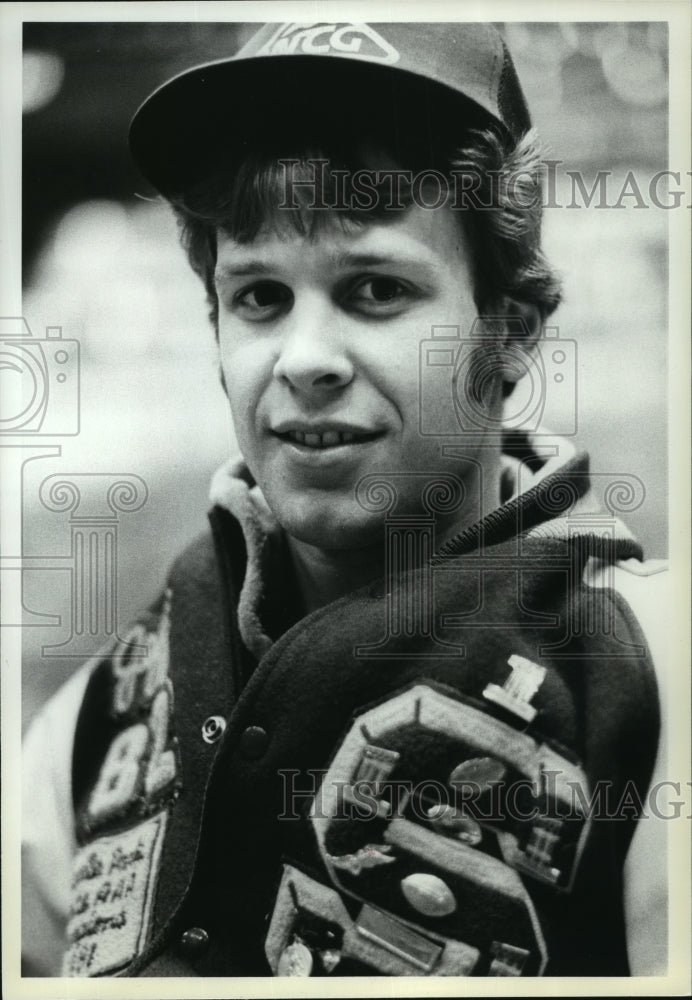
194 941
253 742
213 728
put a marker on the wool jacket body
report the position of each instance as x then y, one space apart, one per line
438 774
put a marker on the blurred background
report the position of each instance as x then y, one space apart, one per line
101 262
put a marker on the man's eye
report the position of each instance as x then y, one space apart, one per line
263 298
379 293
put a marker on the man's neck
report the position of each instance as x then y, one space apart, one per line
324 575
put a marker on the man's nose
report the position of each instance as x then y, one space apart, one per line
313 358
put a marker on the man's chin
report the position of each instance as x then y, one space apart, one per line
332 532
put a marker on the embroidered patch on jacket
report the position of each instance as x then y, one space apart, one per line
113 888
432 819
312 932
139 774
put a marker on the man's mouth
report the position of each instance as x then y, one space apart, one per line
326 439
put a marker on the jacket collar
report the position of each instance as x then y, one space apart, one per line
545 490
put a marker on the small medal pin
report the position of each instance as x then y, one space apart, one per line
519 688
295 960
369 856
454 823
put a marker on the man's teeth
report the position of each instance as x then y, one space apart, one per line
330 439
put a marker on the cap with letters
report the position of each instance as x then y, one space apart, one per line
427 76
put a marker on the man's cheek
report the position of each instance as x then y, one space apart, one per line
239 406
238 379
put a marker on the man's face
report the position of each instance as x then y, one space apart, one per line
320 341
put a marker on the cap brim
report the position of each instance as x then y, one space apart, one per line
226 108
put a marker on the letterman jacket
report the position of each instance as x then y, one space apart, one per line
438 774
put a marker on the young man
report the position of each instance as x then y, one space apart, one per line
396 714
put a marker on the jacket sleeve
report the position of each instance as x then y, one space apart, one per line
48 838
645 588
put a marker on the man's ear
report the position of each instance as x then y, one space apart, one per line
522 331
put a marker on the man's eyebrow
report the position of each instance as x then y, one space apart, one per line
341 261
225 271
372 259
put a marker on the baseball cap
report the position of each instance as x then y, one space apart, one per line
431 78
